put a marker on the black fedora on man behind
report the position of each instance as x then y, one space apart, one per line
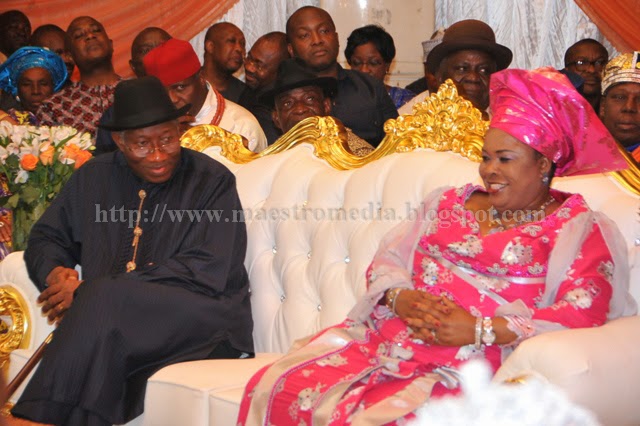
469 34
298 93
141 102
293 74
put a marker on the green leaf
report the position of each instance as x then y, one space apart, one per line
13 200
30 194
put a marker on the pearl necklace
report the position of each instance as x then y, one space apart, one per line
495 221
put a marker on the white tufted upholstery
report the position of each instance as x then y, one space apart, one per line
307 273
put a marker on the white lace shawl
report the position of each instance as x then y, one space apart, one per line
393 263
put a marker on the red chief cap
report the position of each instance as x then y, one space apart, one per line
172 61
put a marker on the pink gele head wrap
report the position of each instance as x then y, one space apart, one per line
542 109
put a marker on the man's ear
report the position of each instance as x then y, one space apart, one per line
66 54
440 71
328 104
117 138
276 119
209 47
439 75
290 50
133 67
201 79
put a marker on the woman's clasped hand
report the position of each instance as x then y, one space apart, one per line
435 319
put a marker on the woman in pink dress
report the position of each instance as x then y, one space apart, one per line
477 272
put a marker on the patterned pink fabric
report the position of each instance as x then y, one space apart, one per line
542 109
378 372
78 106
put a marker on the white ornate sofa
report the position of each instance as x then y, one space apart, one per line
314 224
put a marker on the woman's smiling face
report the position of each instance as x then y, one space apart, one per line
512 172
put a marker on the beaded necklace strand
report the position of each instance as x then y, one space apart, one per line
137 232
496 223
220 105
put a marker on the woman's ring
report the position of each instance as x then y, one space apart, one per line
60 307
1 224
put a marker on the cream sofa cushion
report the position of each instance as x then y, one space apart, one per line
313 227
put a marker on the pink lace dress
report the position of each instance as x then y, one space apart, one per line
374 372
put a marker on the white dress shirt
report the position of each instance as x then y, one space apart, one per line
235 119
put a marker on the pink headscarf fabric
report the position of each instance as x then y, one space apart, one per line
542 109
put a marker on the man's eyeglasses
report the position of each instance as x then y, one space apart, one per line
145 148
583 64
374 63
259 66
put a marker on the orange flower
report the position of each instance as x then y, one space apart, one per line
46 156
82 157
29 162
71 151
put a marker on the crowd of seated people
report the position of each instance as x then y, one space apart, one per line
466 52
57 77
362 103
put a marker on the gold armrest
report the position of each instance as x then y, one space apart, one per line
445 121
16 332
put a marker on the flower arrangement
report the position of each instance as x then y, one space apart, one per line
37 162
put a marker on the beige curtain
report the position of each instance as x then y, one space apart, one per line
124 19
538 32
619 21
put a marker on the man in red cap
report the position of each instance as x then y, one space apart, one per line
176 64
468 54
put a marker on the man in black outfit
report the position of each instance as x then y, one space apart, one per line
361 102
158 286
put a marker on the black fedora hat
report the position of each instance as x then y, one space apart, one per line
141 102
292 74
469 34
